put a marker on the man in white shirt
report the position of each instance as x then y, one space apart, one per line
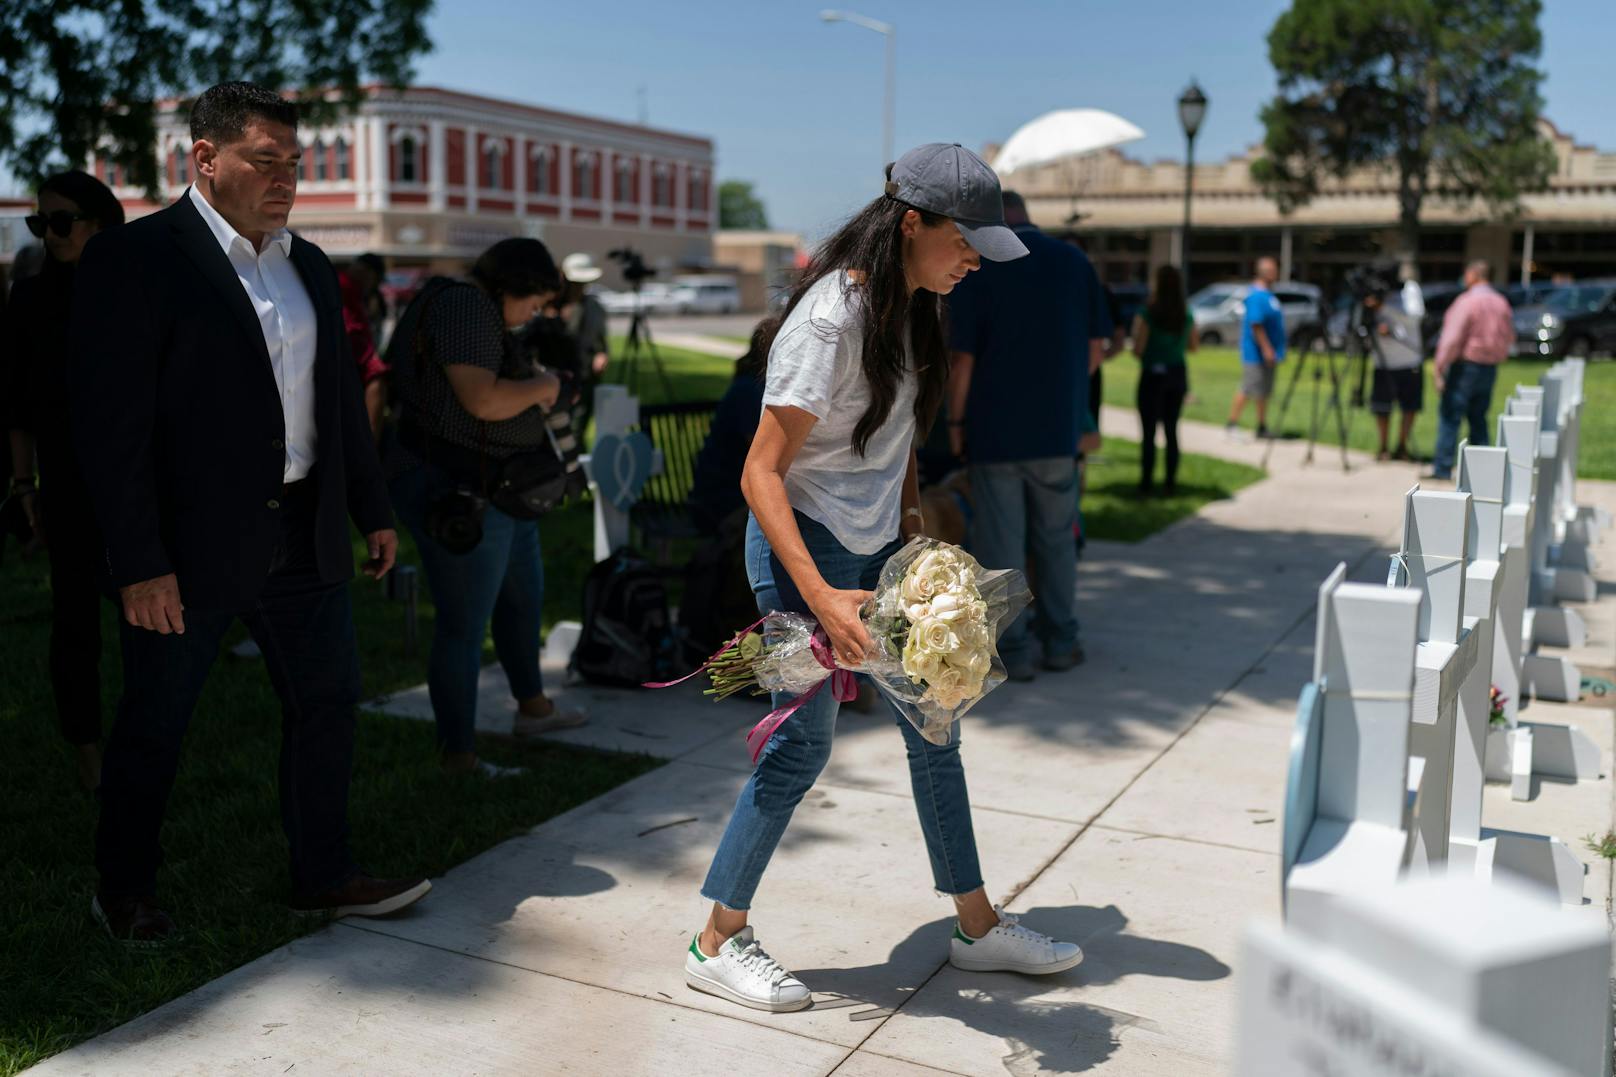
219 420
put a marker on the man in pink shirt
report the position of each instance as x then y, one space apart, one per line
1477 333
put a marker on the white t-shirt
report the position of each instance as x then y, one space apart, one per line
816 364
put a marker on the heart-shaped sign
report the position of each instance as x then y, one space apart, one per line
620 466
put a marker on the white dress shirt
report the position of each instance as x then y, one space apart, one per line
288 321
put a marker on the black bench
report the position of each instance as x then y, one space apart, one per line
661 517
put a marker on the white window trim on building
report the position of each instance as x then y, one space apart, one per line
491 163
418 137
589 161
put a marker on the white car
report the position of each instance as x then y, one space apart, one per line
706 295
1219 309
654 297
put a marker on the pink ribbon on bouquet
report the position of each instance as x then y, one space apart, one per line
842 684
841 681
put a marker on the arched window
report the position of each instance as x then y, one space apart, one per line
698 190
538 173
409 160
583 175
182 164
344 159
493 177
623 182
322 170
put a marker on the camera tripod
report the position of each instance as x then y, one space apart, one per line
637 344
1342 368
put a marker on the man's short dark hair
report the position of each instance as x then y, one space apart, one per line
1013 202
516 267
222 113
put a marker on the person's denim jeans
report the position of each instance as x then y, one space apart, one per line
799 749
1025 510
1468 392
502 579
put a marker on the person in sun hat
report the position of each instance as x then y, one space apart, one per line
858 363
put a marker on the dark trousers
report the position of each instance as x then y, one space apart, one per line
305 630
1160 398
74 545
1466 396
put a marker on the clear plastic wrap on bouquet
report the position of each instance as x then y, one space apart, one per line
909 626
934 625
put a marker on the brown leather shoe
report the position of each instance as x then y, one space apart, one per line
364 896
134 922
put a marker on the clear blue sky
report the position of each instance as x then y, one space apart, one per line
794 104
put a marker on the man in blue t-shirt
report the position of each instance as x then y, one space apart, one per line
1024 336
1262 346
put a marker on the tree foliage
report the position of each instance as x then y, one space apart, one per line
1445 92
78 76
739 207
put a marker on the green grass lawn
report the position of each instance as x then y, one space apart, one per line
1215 375
225 877
1114 510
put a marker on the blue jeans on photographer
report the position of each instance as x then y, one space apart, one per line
799 749
1023 510
500 579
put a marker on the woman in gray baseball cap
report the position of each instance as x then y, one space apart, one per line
857 363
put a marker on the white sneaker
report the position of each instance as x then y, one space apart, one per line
1009 947
743 973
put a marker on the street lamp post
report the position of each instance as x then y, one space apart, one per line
889 105
1191 111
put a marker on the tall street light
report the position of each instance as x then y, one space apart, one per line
889 106
1191 111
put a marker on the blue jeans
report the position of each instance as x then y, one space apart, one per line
1468 391
799 749
501 578
1027 509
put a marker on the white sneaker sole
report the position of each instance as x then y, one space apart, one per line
989 965
401 900
697 982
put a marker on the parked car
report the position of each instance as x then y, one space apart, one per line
1219 309
1573 319
706 295
1528 295
654 297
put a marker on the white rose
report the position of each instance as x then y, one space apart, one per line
936 636
919 611
921 665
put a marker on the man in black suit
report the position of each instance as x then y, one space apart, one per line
220 423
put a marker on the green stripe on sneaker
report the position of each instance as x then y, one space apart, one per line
962 936
697 949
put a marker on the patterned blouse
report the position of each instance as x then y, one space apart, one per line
462 324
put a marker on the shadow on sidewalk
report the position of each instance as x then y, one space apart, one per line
1068 1034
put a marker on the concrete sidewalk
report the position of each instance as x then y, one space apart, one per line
1132 805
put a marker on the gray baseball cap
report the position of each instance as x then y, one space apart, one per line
949 179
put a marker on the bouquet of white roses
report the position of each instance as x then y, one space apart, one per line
934 625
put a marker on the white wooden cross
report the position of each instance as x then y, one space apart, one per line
1483 474
1437 978
1348 794
1517 433
1431 562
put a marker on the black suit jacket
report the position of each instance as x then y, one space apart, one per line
178 422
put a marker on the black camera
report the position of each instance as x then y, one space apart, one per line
454 519
1372 281
634 268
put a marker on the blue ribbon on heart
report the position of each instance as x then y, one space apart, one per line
620 466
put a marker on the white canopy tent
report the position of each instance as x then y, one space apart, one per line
1062 134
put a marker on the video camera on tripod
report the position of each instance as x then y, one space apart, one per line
635 271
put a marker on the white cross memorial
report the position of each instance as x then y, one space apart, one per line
1431 563
1440 977
1348 792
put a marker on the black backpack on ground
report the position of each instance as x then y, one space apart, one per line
627 636
718 599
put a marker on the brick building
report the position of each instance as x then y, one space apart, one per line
431 177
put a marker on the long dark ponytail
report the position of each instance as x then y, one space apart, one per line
870 245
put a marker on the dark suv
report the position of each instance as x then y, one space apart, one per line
1573 319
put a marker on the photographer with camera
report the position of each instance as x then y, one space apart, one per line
475 466
1392 314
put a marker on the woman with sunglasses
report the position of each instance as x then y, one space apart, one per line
73 206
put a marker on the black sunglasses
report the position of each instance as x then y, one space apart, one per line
60 222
